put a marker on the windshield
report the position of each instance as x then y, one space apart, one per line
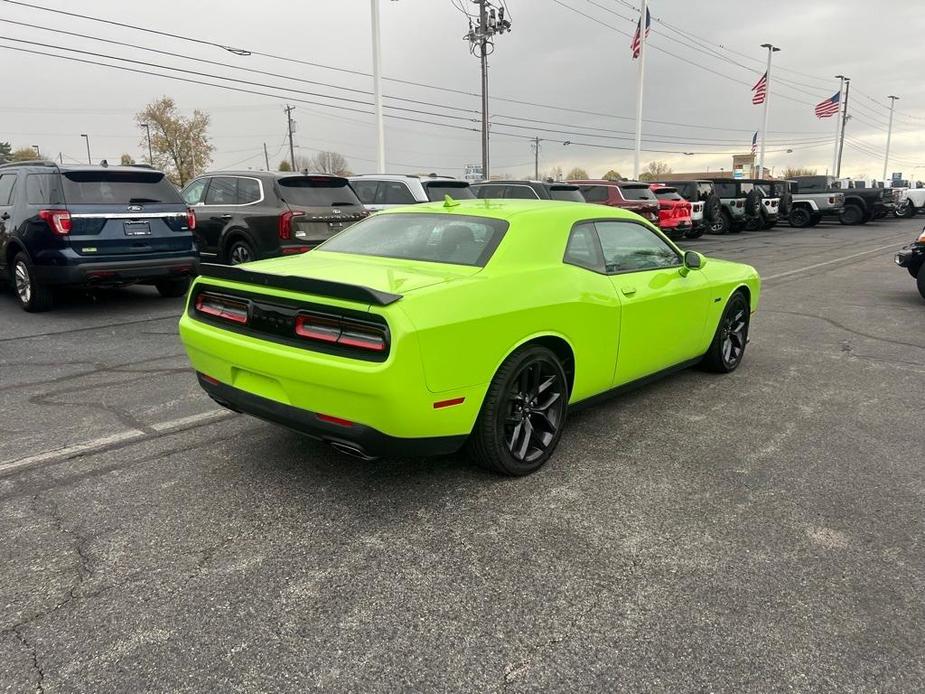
458 190
118 188
570 193
637 193
317 191
437 238
667 194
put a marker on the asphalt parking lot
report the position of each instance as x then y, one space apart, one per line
756 532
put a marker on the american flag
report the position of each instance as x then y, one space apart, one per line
635 45
755 142
761 90
829 107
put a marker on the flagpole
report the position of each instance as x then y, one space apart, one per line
767 99
642 71
841 90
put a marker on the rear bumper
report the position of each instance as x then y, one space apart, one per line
356 439
118 271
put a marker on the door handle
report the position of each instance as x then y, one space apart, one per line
628 291
225 216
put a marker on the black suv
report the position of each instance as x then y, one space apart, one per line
249 215
92 226
528 190
703 191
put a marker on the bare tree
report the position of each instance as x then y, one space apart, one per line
328 163
180 144
613 176
654 171
798 171
577 174
126 160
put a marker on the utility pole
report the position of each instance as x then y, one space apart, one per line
643 16
289 110
767 100
491 21
377 85
266 157
147 128
536 158
841 95
844 122
889 136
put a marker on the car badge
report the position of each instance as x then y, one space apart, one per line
336 211
135 208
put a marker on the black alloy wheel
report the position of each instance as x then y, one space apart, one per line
852 214
800 217
721 224
523 413
731 337
240 251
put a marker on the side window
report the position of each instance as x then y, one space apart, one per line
704 189
222 191
248 190
43 189
395 193
520 193
583 249
365 190
630 247
489 191
7 184
746 188
192 194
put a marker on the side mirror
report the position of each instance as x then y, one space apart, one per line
692 260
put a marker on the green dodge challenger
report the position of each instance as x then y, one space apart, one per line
423 329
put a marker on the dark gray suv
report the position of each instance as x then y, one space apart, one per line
250 215
92 226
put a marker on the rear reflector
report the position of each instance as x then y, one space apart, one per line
222 307
209 379
448 403
341 331
334 420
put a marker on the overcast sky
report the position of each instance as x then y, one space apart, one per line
554 57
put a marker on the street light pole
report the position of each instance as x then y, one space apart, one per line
87 138
889 136
767 99
377 84
147 128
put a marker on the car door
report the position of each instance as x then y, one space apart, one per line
664 304
218 208
7 190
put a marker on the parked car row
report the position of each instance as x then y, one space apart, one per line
121 225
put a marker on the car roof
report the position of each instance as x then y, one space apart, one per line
509 209
524 182
633 184
593 182
270 174
405 177
71 168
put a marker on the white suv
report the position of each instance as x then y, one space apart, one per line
381 191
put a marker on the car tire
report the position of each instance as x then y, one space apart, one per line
712 208
523 413
851 215
731 337
800 217
736 227
173 288
695 233
238 251
31 295
815 220
721 224
905 209
920 280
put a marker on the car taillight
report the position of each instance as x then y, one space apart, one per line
190 219
832 200
740 203
341 331
58 220
285 223
222 307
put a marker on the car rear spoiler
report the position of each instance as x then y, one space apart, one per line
306 285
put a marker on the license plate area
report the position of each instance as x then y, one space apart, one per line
137 228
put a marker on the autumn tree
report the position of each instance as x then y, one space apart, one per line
23 154
654 171
798 171
328 163
284 165
179 144
612 176
126 160
577 174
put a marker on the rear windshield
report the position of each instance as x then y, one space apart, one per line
570 193
595 193
726 190
118 188
637 193
458 190
317 191
687 190
667 194
437 238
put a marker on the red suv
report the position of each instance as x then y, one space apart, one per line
674 212
632 196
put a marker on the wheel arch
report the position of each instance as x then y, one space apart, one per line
13 248
555 343
232 232
857 201
808 204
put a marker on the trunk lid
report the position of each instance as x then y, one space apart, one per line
321 206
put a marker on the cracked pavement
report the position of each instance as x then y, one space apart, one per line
756 532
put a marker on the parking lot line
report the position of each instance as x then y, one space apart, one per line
115 440
827 262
